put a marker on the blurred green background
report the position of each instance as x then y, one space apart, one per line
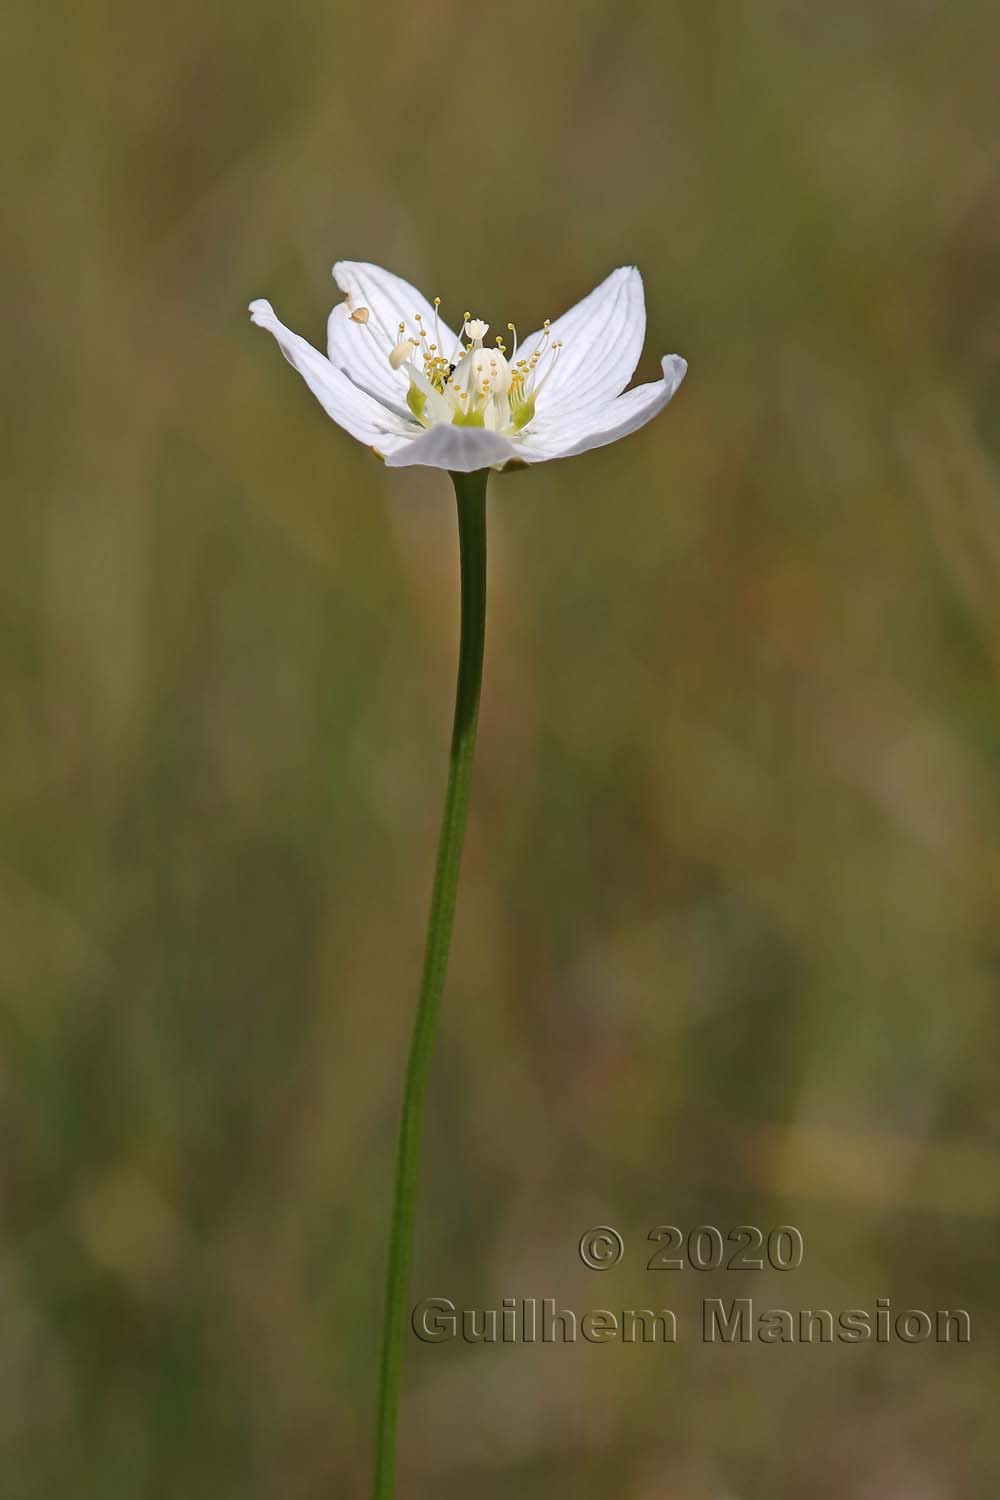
727 945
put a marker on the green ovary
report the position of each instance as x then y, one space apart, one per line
417 402
523 413
468 419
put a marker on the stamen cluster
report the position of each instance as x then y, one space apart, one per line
471 386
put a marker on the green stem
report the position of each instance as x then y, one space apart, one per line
470 492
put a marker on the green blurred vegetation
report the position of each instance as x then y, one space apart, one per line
727 944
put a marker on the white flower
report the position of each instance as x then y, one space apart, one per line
398 379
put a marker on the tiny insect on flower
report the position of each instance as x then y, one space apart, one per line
400 381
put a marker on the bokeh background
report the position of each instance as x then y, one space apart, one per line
727 946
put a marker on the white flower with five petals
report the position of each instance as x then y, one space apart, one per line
399 380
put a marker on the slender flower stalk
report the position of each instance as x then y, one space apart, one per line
470 491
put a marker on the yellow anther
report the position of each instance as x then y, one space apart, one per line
360 315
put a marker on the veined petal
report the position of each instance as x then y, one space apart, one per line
460 449
567 433
390 301
360 414
364 360
602 339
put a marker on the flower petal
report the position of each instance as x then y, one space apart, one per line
363 417
459 449
564 435
364 359
602 339
390 301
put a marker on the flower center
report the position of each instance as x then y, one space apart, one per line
470 385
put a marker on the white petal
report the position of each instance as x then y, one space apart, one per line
364 359
602 339
361 415
460 449
362 349
567 434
